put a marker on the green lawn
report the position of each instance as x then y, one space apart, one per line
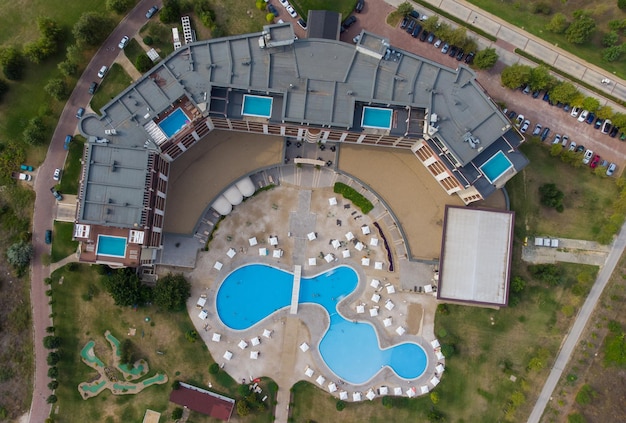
518 13
71 171
161 35
345 7
115 81
62 244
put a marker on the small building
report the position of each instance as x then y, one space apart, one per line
203 401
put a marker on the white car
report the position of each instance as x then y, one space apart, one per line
575 111
519 120
103 71
291 11
57 174
583 116
525 126
607 126
557 139
587 157
565 141
284 3
123 42
611 169
572 146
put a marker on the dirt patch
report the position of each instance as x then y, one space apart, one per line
415 314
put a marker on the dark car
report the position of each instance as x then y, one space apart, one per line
80 112
405 22
93 87
614 132
431 38
545 133
150 13
580 149
423 36
511 115
272 10
453 50
546 96
416 30
598 123
359 6
469 59
460 54
48 236
56 194
302 23
590 118
410 26
348 23
415 14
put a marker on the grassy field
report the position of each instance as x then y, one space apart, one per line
62 244
519 14
161 36
345 7
70 175
84 311
113 83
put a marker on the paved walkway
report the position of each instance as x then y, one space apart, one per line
570 251
511 37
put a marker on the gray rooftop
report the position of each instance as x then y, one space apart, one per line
323 24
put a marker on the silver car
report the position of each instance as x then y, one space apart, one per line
611 169
525 126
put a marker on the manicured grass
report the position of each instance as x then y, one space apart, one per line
240 17
345 7
351 194
71 172
588 198
161 35
84 311
518 14
113 83
62 244
133 50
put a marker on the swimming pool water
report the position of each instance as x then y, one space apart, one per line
114 246
497 165
255 105
172 124
350 348
376 117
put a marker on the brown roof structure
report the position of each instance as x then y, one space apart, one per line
203 401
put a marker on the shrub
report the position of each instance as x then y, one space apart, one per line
71 266
143 63
621 4
176 385
214 368
53 358
551 196
585 395
4 88
242 406
53 372
387 402
340 405
148 40
191 335
243 390
541 7
351 194
177 413
549 273
53 385
51 342
51 399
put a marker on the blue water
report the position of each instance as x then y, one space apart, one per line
254 105
174 122
496 166
350 349
375 117
111 246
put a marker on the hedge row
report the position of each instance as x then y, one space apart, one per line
350 193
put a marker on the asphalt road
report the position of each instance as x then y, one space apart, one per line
45 203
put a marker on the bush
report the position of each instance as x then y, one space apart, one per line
549 273
541 7
242 408
171 292
51 342
486 59
53 385
19 254
191 335
147 40
585 395
53 372
177 413
51 399
351 194
12 62
551 196
340 405
71 267
621 4
143 63
214 368
53 358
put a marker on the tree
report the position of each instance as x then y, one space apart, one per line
431 24
486 59
126 289
92 28
269 17
19 254
177 413
57 88
619 120
4 88
551 274
558 24
171 292
515 76
581 28
405 8
540 78
260 4
143 63
551 196
51 399
541 7
612 54
605 112
340 405
53 372
518 284
434 397
51 342
170 12
610 39
12 62
118 6
563 92
457 36
47 44
242 406
52 385
590 103
53 358
35 131
621 4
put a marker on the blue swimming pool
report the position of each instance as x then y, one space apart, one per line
350 348
172 124
496 166
376 117
256 105
114 246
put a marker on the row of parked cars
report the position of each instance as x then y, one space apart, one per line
411 24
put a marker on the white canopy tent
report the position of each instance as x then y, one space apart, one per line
231 252
383 390
267 333
335 244
228 355
365 229
242 344
359 246
435 381
374 311
378 265
311 236
320 380
345 253
424 389
309 371
387 322
332 387
201 301
254 355
218 265
349 236
356 396
255 341
439 355
262 251
397 391
411 392
203 314
332 201
312 261
365 261
304 347
375 283
391 289
374 242
370 394
360 309
277 253
400 330
216 337
343 395
329 257
428 288
375 297
273 240
252 241
389 305
435 343
439 369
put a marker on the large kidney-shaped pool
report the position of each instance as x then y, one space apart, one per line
350 349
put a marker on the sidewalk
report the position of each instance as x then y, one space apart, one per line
511 37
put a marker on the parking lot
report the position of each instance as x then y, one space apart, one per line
373 19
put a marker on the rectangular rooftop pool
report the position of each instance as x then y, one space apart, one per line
172 124
496 166
256 105
113 246
376 117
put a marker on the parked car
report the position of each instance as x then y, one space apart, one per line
511 115
431 38
525 126
66 143
445 48
614 131
405 22
537 129
583 116
580 149
536 93
93 87
606 127
415 14
359 6
438 43
572 146
27 168
557 139
599 123
123 42
611 169
526 89
348 22
587 157
103 71
594 161
284 3
292 12
48 236
565 141
545 133
459 55
546 97
150 13
423 35
416 30
519 120
57 174
575 111
590 118
566 108
274 11
80 112
56 194
469 59
302 23
410 26
453 50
